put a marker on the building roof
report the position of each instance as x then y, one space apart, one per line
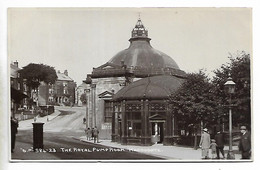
63 77
141 54
156 87
82 86
140 59
14 70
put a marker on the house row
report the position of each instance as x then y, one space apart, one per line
62 92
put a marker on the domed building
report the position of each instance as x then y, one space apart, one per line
127 96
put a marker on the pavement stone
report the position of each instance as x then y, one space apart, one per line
27 124
165 152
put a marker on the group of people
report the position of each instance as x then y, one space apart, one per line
92 134
217 144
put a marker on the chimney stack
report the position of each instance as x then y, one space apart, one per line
16 63
66 72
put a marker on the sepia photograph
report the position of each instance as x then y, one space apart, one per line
130 84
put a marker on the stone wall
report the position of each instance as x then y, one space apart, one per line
96 102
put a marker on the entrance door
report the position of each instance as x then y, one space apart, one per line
157 131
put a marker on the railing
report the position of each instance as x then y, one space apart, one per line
137 72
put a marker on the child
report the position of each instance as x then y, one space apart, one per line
213 147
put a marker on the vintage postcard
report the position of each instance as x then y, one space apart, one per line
130 84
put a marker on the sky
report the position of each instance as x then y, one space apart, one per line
78 39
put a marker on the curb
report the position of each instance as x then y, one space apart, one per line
99 144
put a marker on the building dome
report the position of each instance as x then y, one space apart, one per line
156 87
141 54
140 60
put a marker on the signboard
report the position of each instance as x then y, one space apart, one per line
106 126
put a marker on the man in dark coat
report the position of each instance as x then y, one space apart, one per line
219 137
95 133
245 143
14 126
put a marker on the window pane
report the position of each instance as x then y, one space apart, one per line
108 110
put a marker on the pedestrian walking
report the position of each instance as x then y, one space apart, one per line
22 117
92 133
88 133
219 137
213 147
95 133
245 143
14 126
205 144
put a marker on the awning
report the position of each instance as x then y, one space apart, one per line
17 95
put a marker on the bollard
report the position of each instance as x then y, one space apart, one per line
37 135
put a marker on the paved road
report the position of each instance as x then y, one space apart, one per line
63 146
69 119
60 143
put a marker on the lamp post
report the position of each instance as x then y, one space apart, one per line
230 87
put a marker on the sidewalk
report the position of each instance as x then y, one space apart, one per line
27 124
165 152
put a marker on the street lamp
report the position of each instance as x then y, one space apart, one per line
230 87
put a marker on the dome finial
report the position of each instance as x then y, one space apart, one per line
139 30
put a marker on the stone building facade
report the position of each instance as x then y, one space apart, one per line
60 93
140 60
81 90
19 90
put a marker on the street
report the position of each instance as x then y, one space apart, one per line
61 141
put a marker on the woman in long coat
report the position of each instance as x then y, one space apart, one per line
205 143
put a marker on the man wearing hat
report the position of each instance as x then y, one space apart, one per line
219 137
245 143
205 143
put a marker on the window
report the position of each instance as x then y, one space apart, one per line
65 91
50 99
51 91
134 125
18 86
24 86
108 110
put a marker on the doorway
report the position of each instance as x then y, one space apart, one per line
158 131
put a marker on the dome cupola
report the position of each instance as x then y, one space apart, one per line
139 31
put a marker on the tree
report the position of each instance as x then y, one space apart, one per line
239 70
35 73
83 98
194 102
